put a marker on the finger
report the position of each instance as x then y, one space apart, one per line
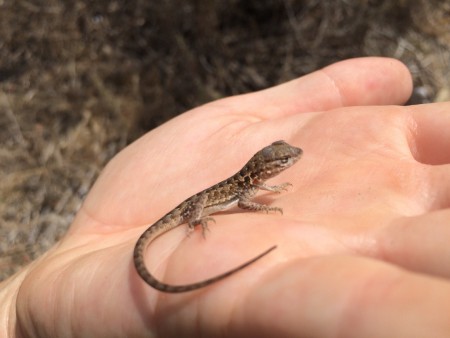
418 243
431 136
440 187
355 82
347 297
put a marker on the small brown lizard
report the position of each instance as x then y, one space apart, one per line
236 190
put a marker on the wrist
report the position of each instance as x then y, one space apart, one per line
9 290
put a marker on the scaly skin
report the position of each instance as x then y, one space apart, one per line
236 190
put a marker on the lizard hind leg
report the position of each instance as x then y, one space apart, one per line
253 206
196 214
274 188
203 222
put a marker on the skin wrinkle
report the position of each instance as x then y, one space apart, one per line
333 83
412 134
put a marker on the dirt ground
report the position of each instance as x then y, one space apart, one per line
81 79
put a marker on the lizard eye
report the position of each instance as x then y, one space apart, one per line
284 160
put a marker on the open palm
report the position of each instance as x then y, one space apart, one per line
362 244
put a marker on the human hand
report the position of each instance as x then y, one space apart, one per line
361 244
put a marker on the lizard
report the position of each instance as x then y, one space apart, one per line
236 190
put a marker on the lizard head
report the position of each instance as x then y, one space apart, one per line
271 160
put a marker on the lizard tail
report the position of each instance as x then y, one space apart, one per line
155 283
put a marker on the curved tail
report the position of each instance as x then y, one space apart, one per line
153 282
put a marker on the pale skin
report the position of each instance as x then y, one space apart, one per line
363 243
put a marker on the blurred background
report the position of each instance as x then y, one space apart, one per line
80 79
